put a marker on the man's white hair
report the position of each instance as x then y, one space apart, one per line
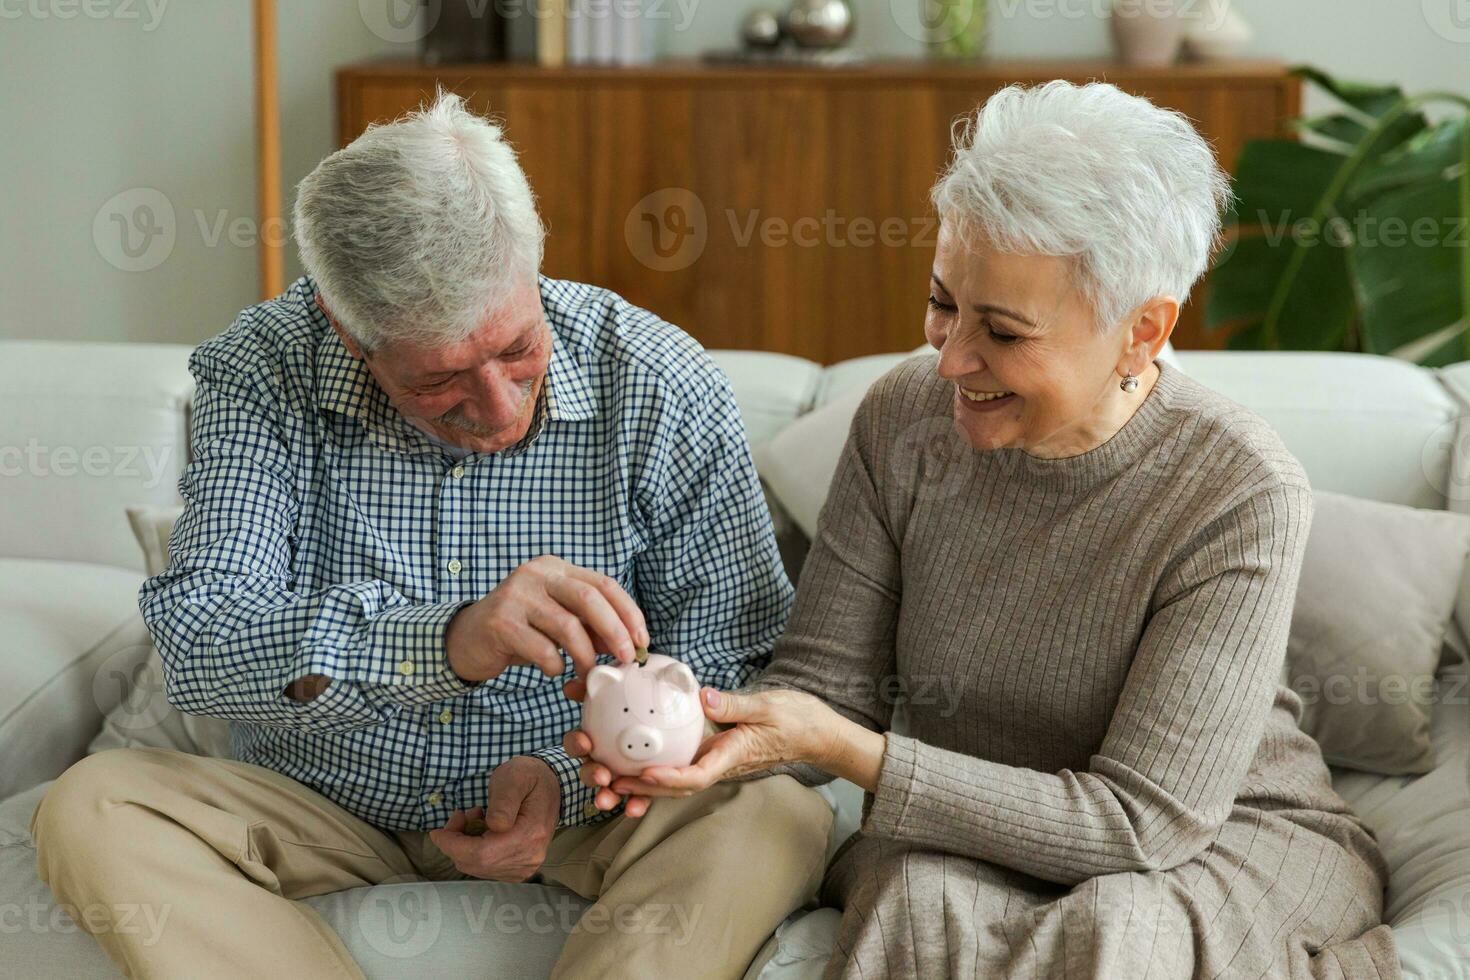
1128 190
419 228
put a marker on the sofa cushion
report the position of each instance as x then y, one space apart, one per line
395 929
1368 426
86 430
144 718
1422 824
770 389
1366 636
72 644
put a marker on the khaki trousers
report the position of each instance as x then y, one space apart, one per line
216 850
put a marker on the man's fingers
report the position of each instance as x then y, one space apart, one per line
506 796
584 600
627 609
533 647
575 689
566 631
606 799
637 806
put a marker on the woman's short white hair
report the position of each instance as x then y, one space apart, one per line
1129 191
419 228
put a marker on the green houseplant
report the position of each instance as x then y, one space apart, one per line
1356 237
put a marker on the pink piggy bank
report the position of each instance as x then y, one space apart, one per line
641 715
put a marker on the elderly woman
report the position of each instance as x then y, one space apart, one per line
1101 581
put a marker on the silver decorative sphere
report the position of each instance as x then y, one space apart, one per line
761 28
819 23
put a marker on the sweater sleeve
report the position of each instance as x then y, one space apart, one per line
1181 738
839 641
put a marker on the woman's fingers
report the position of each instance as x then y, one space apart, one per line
577 743
594 775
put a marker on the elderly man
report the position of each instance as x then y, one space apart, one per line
429 488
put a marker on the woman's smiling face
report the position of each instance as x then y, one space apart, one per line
1017 341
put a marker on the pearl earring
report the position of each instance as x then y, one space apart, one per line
1129 384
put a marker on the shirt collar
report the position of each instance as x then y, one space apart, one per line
346 386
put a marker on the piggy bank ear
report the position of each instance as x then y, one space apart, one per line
678 677
601 679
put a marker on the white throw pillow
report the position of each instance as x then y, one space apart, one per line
144 717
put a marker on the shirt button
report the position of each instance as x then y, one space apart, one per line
405 667
446 716
457 472
436 797
455 566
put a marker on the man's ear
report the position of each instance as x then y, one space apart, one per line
346 338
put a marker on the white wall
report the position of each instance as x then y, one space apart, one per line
110 97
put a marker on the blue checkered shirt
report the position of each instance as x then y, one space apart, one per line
325 534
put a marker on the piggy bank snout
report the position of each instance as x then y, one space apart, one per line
639 742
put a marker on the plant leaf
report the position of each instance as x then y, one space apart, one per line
1432 154
1409 260
1367 97
1279 186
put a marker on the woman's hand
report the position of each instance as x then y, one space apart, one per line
771 727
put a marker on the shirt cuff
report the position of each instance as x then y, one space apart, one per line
884 811
577 808
405 656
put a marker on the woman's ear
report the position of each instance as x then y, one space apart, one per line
1148 331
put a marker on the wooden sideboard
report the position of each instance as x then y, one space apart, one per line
781 209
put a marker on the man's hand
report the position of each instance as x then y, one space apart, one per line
520 818
544 606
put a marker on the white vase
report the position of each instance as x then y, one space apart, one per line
1147 32
1215 31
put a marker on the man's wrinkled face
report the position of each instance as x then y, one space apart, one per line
479 393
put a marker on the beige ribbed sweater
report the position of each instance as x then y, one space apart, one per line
1092 649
